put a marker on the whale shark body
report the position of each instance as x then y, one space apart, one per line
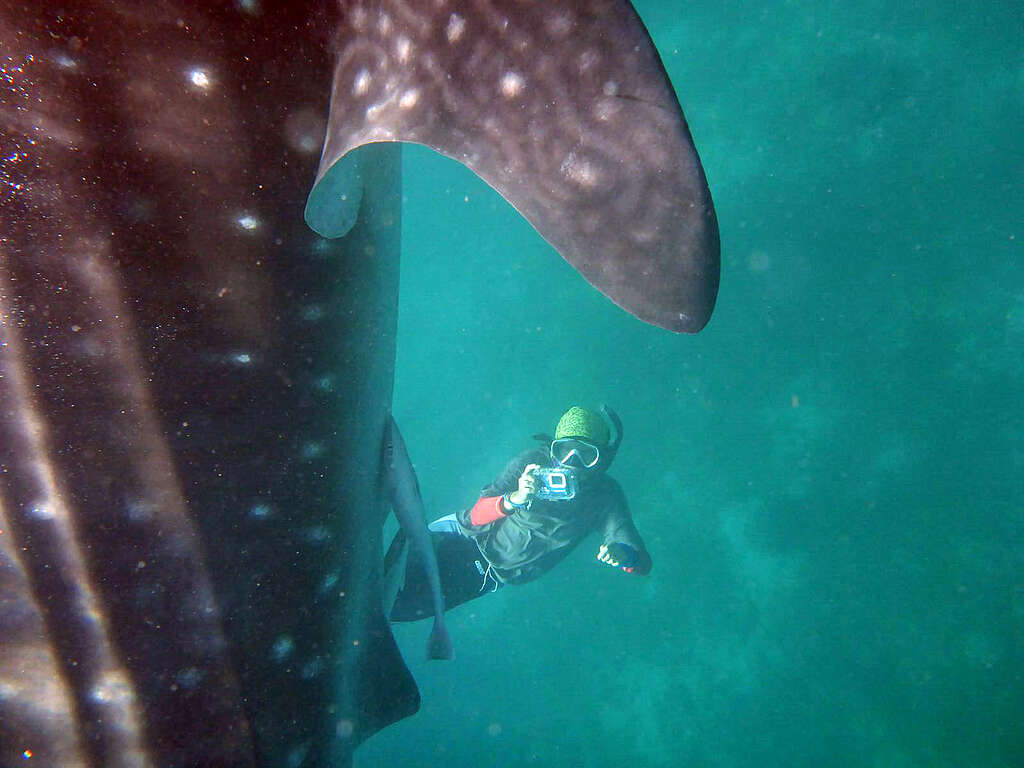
195 383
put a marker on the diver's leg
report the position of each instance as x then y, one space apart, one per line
446 524
464 576
465 572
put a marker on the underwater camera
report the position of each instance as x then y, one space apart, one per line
556 484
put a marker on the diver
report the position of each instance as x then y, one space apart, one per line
525 522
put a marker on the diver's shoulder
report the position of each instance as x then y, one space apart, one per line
608 487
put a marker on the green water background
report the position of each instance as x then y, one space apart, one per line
830 477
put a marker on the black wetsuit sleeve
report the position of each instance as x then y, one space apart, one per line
619 528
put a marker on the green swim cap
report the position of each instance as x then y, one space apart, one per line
579 422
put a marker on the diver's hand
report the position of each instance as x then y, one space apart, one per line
527 486
618 555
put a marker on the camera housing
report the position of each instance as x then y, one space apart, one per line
556 483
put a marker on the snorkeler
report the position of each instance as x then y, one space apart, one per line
525 522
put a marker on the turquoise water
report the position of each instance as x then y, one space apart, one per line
830 477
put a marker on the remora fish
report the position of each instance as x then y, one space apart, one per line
404 492
194 387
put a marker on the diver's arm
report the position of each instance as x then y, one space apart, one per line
625 556
508 480
622 542
487 509
490 508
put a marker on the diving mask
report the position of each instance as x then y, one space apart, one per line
573 452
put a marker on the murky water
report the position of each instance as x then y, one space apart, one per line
830 477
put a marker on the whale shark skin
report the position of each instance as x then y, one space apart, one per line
565 109
194 385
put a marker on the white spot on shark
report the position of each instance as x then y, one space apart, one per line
325 383
282 648
100 694
312 668
313 450
329 581
64 61
361 84
606 109
111 687
409 99
558 25
199 78
345 728
455 29
316 534
140 510
384 25
260 511
611 88
512 84
403 48
359 18
188 678
248 222
297 756
579 170
42 511
312 312
373 115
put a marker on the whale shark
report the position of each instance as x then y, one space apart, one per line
200 213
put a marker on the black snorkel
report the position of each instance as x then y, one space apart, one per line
613 445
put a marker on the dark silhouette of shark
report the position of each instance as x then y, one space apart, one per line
195 387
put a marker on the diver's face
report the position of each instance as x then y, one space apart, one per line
581 456
576 453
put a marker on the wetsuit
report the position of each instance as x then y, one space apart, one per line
486 547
